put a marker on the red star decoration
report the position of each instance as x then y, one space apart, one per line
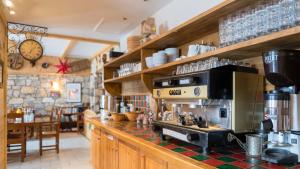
63 66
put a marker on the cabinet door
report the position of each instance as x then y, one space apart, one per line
95 149
93 145
109 152
128 156
151 162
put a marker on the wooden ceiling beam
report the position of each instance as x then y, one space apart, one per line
68 48
76 38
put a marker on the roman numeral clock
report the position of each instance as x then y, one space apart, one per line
31 50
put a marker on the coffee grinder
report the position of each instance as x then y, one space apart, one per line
282 106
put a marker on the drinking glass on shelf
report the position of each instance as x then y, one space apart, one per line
261 18
186 68
289 13
222 31
179 70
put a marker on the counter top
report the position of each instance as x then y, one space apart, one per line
224 158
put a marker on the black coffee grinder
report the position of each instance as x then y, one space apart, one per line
282 105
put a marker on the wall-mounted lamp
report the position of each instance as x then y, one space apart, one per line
55 89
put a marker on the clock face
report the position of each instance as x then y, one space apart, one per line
31 50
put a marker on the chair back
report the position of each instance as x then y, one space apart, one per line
16 127
12 117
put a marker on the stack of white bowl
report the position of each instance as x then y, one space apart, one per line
162 57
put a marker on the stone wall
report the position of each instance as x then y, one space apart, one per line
34 91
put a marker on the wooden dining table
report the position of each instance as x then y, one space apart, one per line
32 123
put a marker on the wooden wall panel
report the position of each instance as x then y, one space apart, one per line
3 57
133 88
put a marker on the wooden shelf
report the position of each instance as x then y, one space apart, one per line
133 56
202 26
195 28
289 38
133 76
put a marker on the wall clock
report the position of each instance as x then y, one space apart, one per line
31 50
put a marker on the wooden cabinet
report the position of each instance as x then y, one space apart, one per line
151 162
96 149
128 156
109 151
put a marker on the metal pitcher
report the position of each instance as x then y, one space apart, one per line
254 144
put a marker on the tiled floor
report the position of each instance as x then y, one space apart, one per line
74 154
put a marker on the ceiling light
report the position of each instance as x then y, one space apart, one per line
11 12
8 3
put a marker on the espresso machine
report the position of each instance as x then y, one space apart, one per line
202 108
282 106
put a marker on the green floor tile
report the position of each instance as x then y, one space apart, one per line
183 144
179 150
226 159
228 166
200 157
164 144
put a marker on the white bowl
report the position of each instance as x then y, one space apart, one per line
159 58
173 54
149 62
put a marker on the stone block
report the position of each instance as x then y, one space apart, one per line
48 100
14 101
10 82
20 82
27 90
16 87
42 93
16 93
28 82
46 85
85 99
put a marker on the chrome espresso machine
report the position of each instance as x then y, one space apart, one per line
202 108
282 106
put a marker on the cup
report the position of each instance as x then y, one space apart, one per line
172 53
159 58
149 62
193 50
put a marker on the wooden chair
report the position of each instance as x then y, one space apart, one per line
80 122
16 135
44 132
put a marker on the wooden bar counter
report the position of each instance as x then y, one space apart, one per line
127 145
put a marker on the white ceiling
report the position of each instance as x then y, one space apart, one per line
79 17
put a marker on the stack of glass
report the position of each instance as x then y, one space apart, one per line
129 68
264 17
207 64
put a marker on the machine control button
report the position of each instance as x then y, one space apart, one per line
294 141
223 113
192 137
197 91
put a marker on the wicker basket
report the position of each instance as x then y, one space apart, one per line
117 117
133 42
132 116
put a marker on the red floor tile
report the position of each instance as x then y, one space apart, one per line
215 155
241 164
272 166
171 146
213 162
190 153
241 156
192 147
